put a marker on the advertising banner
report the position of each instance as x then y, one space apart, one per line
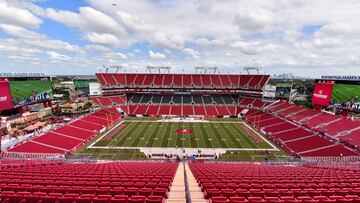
322 93
5 95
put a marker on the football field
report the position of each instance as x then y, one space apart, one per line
344 92
235 135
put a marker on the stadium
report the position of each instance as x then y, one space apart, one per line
159 134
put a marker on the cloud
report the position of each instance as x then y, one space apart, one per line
35 39
134 23
18 16
88 19
52 44
156 55
253 19
115 56
206 42
227 34
194 54
97 27
12 48
252 48
56 56
167 41
20 32
97 48
103 39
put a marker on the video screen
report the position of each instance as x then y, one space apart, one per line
29 91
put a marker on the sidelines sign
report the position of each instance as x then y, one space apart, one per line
341 77
5 95
16 75
322 93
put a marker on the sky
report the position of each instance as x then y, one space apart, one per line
307 38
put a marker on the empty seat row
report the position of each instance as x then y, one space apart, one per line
232 182
39 197
295 139
84 182
135 80
323 199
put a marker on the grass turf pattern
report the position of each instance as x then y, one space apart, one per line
344 92
163 134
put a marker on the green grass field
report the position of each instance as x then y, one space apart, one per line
22 89
163 134
344 92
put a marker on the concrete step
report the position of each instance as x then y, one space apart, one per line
196 195
177 189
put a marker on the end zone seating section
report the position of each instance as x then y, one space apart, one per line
158 110
219 81
334 126
234 183
207 105
108 101
246 101
295 139
185 99
132 182
71 136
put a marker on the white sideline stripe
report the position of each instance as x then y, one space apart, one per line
163 149
69 136
267 141
40 143
274 148
101 137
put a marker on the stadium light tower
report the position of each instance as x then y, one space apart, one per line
159 68
249 68
117 67
206 69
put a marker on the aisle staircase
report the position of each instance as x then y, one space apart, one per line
185 188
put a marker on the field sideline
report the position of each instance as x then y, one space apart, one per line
154 134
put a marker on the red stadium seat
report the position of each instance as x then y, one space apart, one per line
154 199
219 200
